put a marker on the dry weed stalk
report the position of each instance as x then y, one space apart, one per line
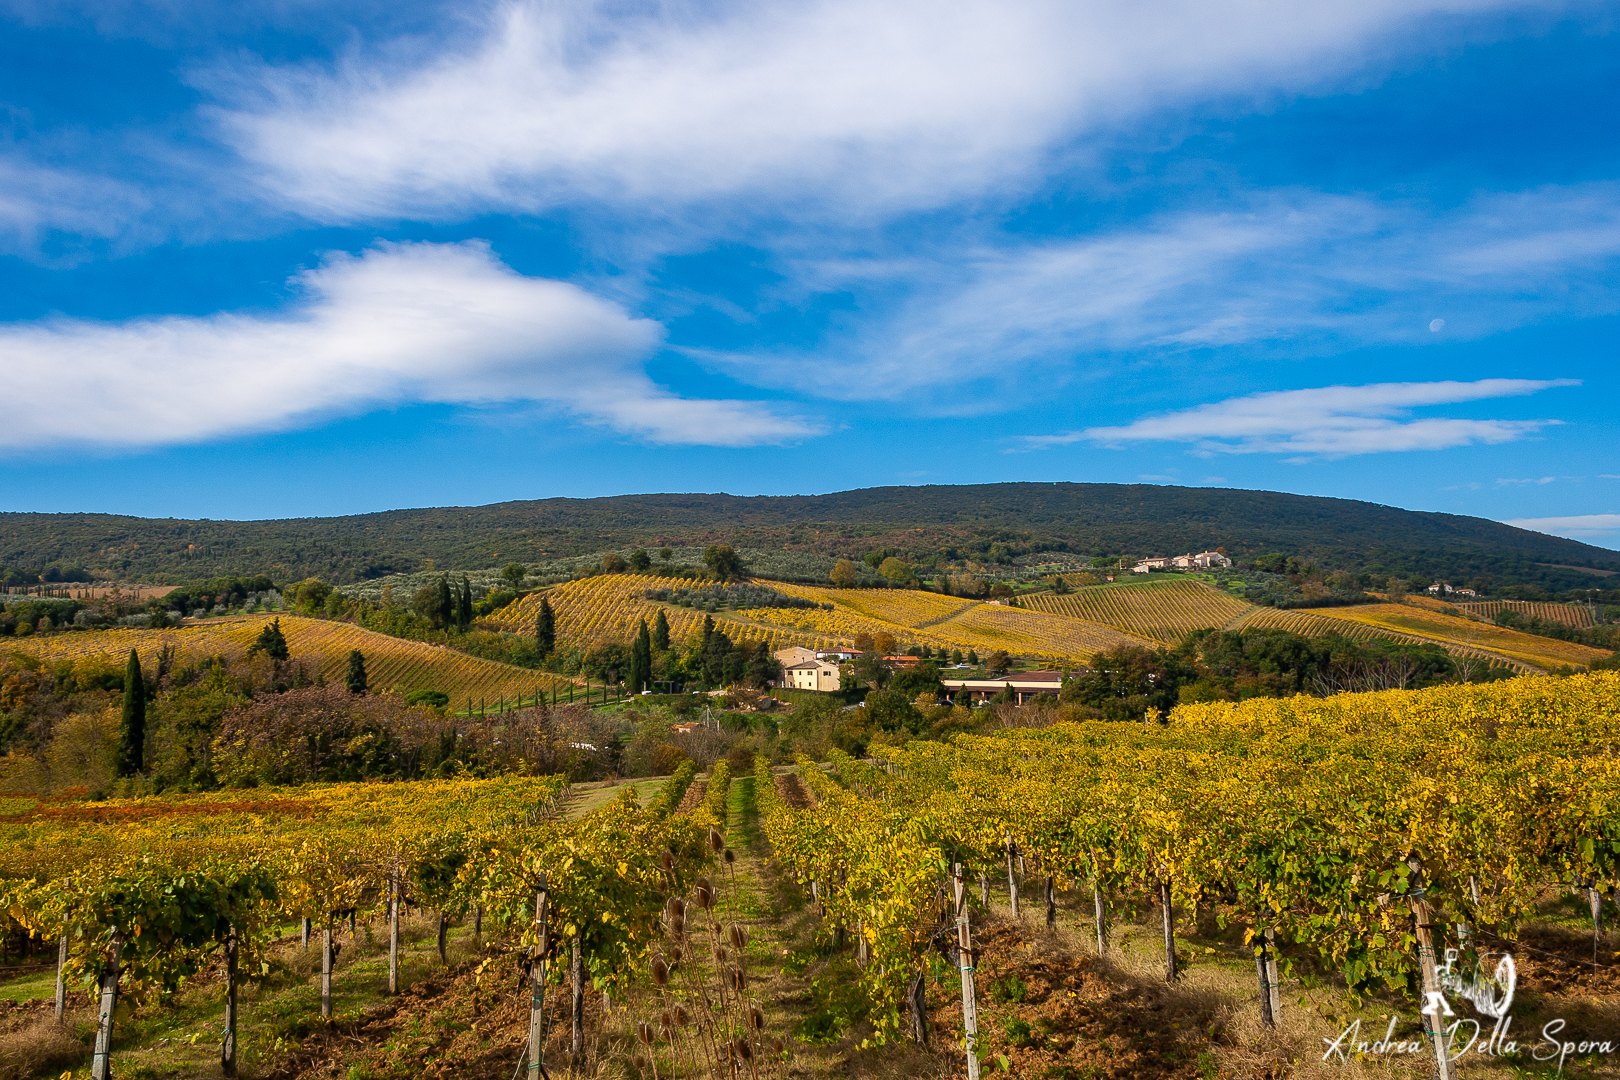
708 1022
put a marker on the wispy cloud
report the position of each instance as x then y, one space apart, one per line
398 324
1333 421
39 201
1508 482
1294 271
1577 527
847 106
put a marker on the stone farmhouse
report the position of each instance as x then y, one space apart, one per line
1204 560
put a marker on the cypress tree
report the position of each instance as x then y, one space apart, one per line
660 634
447 603
545 628
708 632
641 659
132 732
355 680
466 602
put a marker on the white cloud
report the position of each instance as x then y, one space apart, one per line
1296 271
1507 482
398 324
1577 527
840 104
1333 421
37 201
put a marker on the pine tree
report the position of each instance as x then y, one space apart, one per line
708 633
466 612
271 642
355 680
545 629
660 633
132 732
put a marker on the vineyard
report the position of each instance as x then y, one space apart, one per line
609 608
1453 632
1576 615
1370 832
1165 611
391 663
147 894
909 608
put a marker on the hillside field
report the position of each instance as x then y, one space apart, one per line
391 663
1165 610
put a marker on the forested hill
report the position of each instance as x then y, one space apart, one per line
920 522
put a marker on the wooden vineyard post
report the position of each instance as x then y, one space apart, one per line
227 1045
964 950
326 969
444 929
101 1057
1273 978
1099 912
1261 967
1433 1002
1012 876
1169 931
576 991
537 988
984 890
61 983
393 938
304 931
1051 904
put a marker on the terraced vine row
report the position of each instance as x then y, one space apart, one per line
1576 615
1315 624
909 608
391 663
609 607
1164 611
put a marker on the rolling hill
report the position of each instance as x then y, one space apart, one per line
920 522
392 663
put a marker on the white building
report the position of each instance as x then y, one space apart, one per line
811 675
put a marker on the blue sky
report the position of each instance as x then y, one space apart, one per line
303 258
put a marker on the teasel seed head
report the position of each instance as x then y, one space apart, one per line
716 841
704 893
667 861
640 1062
776 1046
674 956
660 971
720 954
746 1049
644 1033
739 979
739 937
681 1016
731 856
756 1019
